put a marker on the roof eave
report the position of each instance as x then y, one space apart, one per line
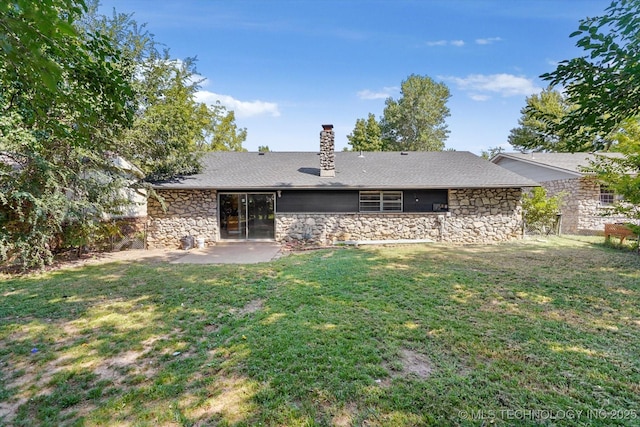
532 162
350 187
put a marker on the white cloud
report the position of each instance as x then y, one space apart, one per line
478 97
457 43
488 40
241 108
385 93
480 86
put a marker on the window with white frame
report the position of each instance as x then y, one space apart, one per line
607 196
381 201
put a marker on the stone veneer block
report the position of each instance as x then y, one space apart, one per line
188 213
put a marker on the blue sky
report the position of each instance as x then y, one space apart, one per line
287 67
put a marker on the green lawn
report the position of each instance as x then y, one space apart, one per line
512 334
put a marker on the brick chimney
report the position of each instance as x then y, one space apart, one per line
327 152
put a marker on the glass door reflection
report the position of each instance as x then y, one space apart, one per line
247 216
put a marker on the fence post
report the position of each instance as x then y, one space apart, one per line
558 226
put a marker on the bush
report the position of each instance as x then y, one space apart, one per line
541 212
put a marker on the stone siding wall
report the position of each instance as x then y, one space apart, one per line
189 213
484 215
326 228
570 205
475 216
582 212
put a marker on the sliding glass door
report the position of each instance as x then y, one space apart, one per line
260 217
233 211
247 216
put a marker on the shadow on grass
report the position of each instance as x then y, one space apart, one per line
325 338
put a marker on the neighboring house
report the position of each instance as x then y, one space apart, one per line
586 202
131 217
331 197
136 198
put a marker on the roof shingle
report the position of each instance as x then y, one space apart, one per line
569 162
371 170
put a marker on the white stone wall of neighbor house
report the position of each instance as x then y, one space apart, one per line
188 213
582 212
570 206
476 216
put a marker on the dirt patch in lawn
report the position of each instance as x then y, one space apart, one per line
249 308
414 363
409 364
346 416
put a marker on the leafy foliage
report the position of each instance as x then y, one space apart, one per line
89 107
540 211
538 129
603 83
622 174
366 136
171 129
491 152
63 102
416 121
169 123
223 133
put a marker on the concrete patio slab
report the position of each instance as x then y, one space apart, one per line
231 253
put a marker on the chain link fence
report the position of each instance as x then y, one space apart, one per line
544 229
123 234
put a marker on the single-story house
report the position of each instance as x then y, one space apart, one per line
331 197
586 202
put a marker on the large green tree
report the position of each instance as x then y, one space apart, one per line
537 130
366 135
171 129
63 101
604 85
222 133
416 121
79 92
169 123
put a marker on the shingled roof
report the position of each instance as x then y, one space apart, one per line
567 162
370 170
